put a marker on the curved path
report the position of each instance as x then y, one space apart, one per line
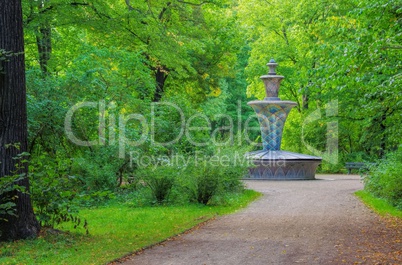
295 222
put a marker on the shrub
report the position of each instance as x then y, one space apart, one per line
385 180
192 178
160 180
7 195
205 183
54 192
9 188
216 174
97 170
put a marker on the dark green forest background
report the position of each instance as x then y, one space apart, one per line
206 57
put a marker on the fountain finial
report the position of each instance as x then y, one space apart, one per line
272 65
272 81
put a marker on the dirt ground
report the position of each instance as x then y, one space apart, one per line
294 222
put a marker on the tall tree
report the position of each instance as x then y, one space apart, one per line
13 121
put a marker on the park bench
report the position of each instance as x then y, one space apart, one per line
356 165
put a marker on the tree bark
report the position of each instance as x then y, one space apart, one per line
160 78
13 120
305 98
44 43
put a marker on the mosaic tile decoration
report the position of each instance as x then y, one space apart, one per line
290 170
272 118
272 85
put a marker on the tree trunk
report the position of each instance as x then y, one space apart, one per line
383 138
160 77
44 43
305 98
13 120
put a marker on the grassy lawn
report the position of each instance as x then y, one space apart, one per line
114 231
381 206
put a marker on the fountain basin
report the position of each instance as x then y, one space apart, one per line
282 165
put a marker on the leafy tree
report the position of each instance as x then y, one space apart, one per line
13 122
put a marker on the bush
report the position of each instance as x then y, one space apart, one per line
385 180
204 183
160 180
216 175
9 189
53 191
184 178
97 170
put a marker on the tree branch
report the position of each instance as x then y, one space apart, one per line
164 10
194 4
128 5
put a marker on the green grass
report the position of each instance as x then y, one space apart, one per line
114 231
381 206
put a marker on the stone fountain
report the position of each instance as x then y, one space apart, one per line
271 162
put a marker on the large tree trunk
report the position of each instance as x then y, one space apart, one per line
13 120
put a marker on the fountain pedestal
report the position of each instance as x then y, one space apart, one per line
271 162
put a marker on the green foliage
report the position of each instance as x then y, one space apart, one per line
54 192
205 183
4 57
187 178
169 62
97 170
216 174
340 50
9 187
326 50
385 180
160 180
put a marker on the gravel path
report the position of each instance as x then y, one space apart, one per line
295 222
